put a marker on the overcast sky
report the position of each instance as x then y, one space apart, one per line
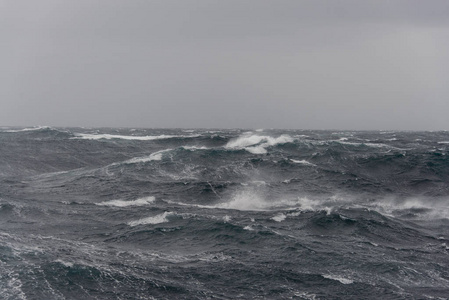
314 64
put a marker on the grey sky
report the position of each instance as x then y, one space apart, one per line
255 64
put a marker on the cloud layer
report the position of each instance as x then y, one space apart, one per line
283 64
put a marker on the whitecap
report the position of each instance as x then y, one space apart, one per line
124 203
257 144
152 157
64 263
244 200
258 182
251 200
105 136
303 162
338 278
28 129
161 218
193 148
279 217
430 208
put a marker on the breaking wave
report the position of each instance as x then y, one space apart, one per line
124 203
161 218
88 136
257 144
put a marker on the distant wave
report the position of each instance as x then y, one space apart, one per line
88 136
27 129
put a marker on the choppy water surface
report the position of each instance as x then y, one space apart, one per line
223 214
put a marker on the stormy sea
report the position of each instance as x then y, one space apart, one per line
106 213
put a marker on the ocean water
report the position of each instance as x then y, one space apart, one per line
223 214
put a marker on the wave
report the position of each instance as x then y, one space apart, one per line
194 148
124 203
372 145
338 278
303 162
257 144
153 156
27 129
161 218
417 208
279 217
88 136
252 200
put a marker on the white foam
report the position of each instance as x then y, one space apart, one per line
123 203
249 228
214 257
372 145
15 284
28 129
303 162
152 157
432 208
279 217
443 142
193 148
250 200
258 182
257 144
305 295
162 218
245 200
338 278
64 263
88 136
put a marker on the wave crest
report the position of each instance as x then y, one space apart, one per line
89 136
161 218
257 144
123 203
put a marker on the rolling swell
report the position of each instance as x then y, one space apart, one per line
200 214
